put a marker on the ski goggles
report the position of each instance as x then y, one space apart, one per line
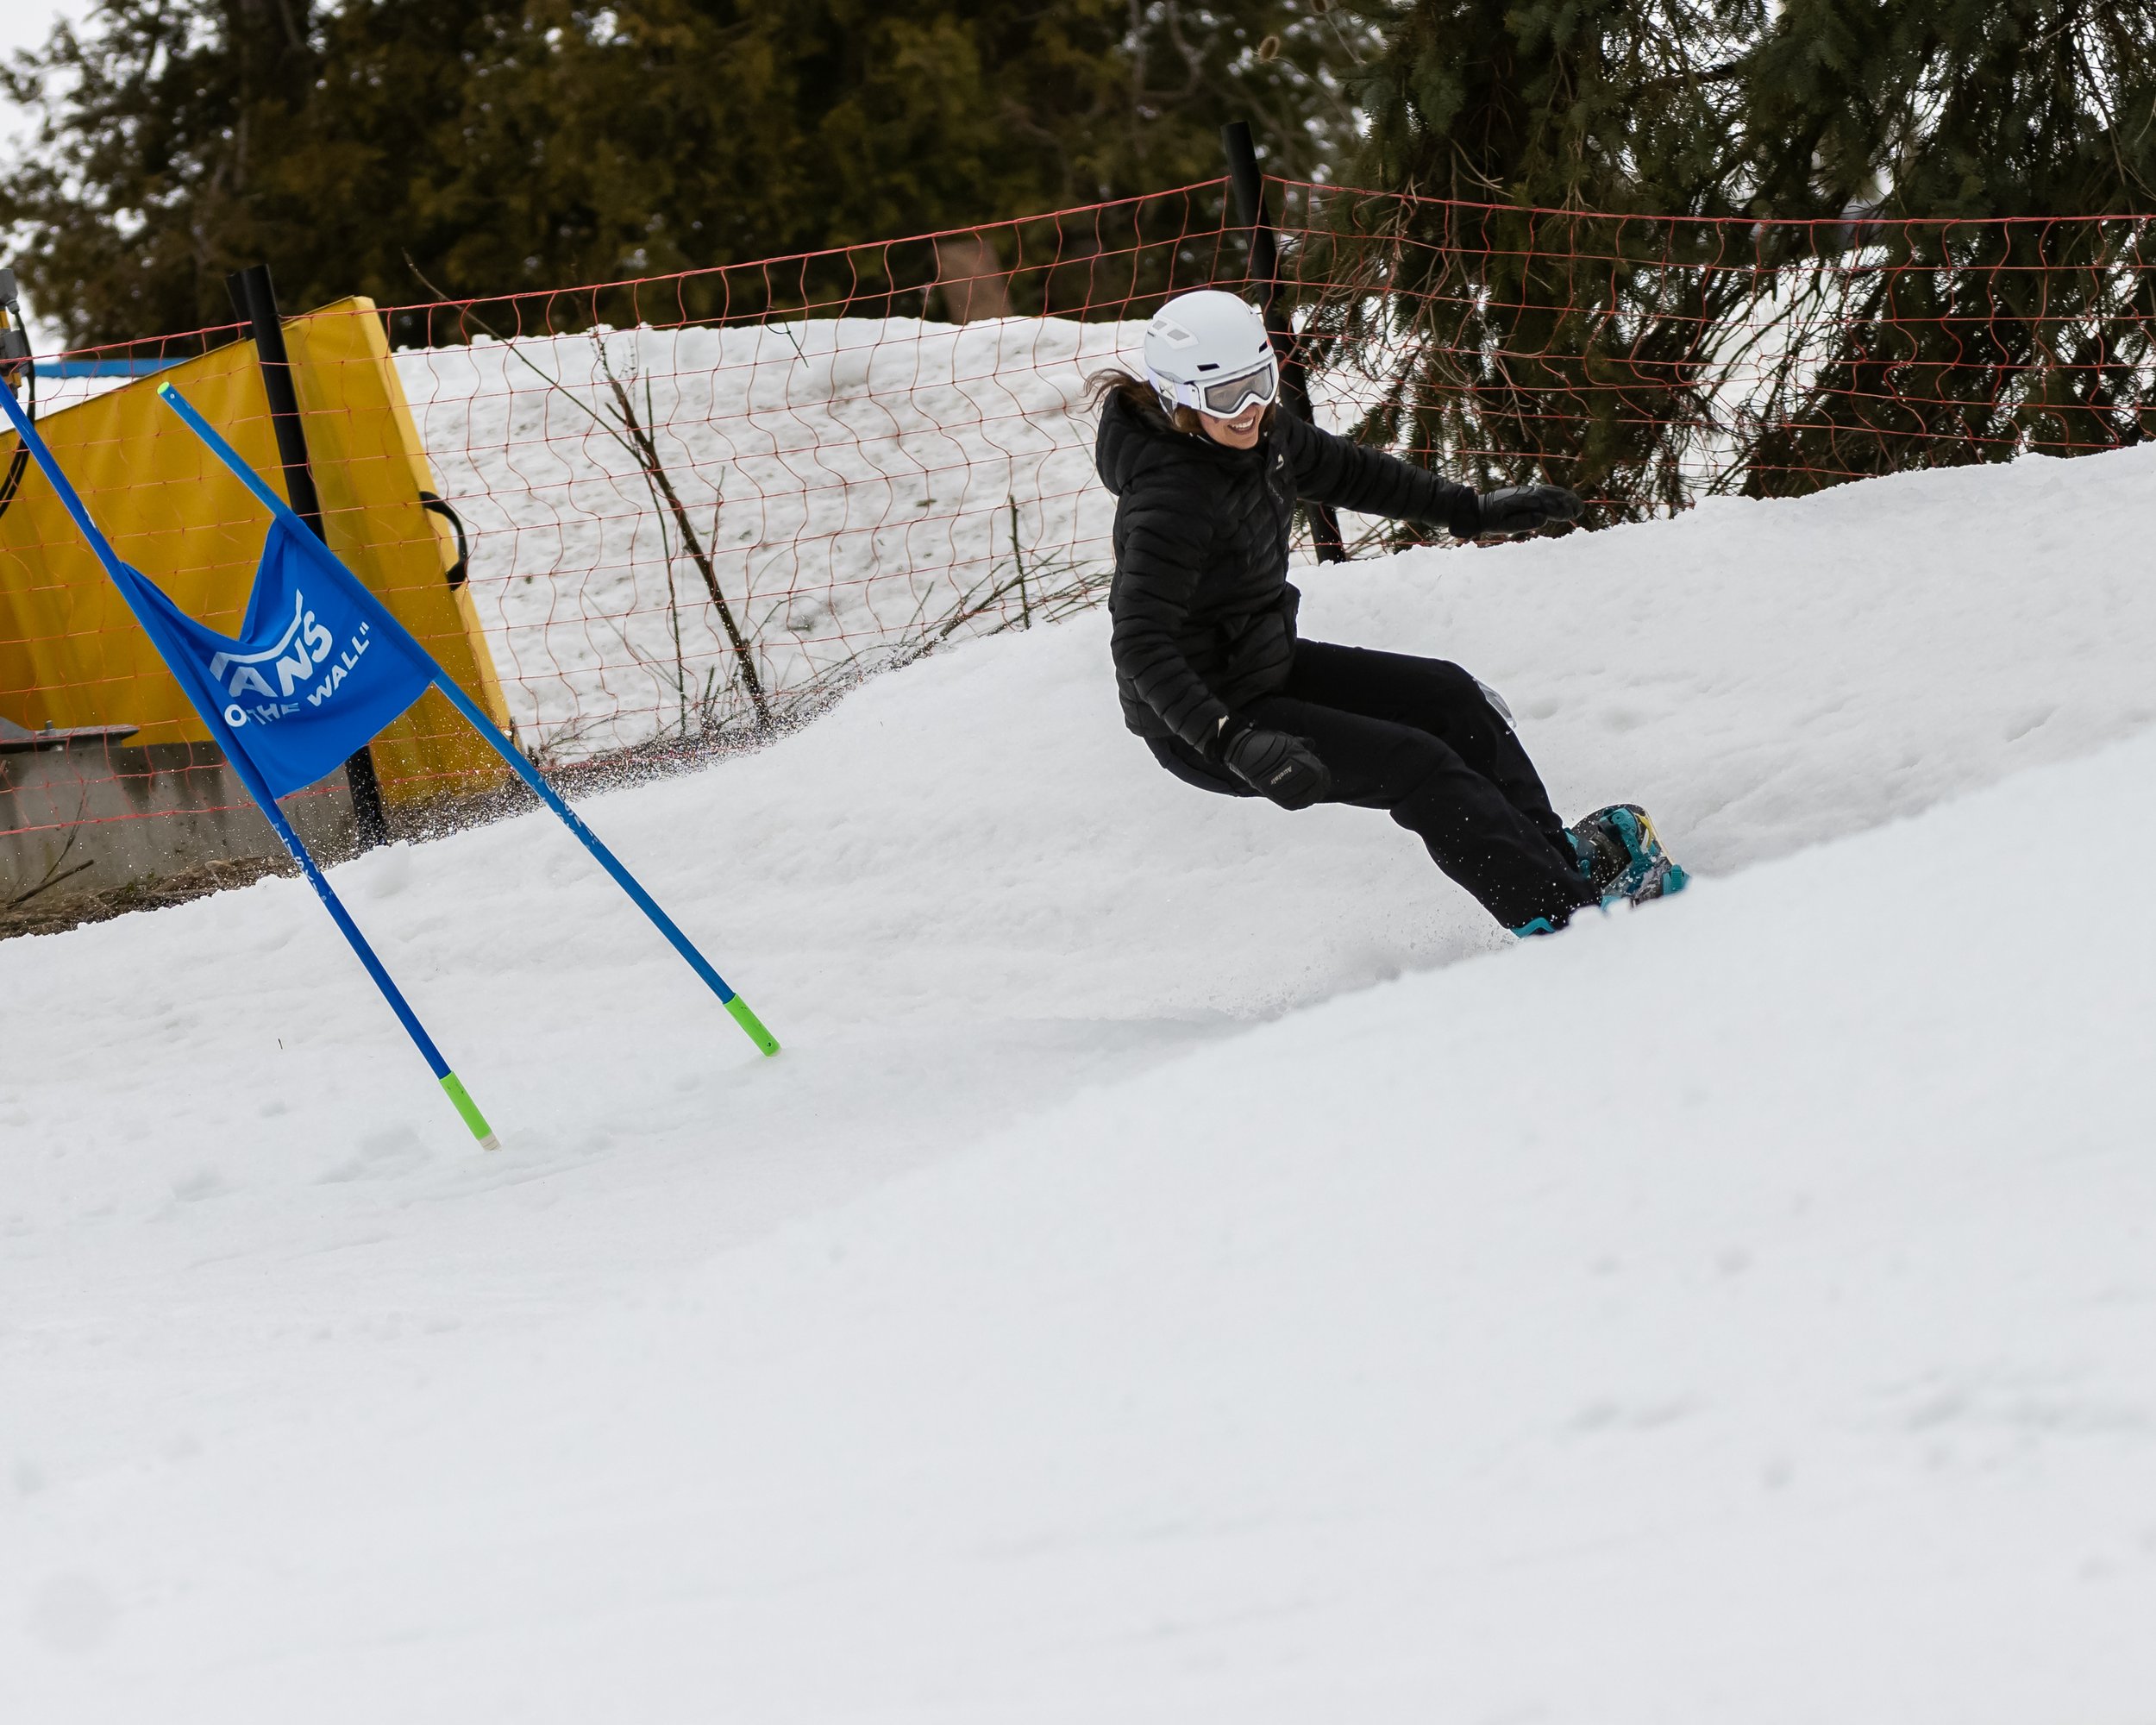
1225 397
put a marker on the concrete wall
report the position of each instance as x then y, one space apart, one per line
90 814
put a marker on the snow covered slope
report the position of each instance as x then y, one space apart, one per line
1112 1305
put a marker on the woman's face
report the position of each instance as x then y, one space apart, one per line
1239 433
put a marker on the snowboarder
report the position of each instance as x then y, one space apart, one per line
1206 473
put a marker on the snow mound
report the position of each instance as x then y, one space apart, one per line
1157 1283
852 480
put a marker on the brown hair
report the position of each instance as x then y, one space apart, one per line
1143 397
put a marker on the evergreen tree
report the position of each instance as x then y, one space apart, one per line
1970 342
1600 350
1529 333
1955 108
518 144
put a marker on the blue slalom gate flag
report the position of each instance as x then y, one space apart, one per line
318 666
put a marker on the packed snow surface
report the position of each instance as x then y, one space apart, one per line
1187 1265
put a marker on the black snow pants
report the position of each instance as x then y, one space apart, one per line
1417 738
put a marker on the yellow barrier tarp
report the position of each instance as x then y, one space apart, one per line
70 651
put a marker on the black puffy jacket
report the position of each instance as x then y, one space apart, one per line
1203 617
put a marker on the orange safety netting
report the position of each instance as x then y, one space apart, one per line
657 517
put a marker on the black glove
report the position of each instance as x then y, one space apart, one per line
1273 763
1521 509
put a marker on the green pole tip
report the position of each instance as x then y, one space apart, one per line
469 1111
748 1021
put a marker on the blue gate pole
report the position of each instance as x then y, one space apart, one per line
532 775
452 1086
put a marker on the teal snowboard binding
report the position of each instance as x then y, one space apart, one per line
1622 857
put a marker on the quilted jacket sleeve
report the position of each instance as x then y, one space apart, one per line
1332 469
1163 548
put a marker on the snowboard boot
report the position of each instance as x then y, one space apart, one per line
1621 856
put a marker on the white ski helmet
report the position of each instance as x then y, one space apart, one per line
1208 350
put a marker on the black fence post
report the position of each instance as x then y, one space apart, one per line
1264 266
255 298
